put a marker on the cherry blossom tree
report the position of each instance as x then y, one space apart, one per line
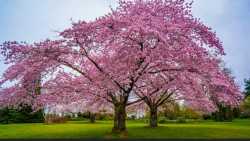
203 82
155 49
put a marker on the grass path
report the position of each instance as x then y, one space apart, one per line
102 129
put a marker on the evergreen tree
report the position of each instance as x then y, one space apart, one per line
247 87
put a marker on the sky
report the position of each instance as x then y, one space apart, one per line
36 20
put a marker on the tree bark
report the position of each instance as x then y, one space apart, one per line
153 117
92 117
119 118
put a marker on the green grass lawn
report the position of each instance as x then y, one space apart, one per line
136 129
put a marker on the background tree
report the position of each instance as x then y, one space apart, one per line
245 108
245 105
247 87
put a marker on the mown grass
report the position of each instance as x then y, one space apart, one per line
136 129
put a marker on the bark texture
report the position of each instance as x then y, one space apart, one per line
120 118
92 117
153 122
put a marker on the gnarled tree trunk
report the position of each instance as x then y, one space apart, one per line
153 122
119 118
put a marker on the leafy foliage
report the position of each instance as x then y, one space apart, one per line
224 113
22 115
245 108
247 87
53 118
173 111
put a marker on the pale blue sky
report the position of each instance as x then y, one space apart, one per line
35 20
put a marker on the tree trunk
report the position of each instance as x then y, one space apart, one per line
119 118
153 117
92 117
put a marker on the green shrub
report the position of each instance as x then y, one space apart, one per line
77 119
52 118
189 113
162 120
245 114
104 116
132 117
24 114
181 120
245 108
224 114
206 117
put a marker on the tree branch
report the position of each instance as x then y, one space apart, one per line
98 67
128 104
164 100
75 68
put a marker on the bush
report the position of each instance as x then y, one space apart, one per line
132 117
245 108
77 119
181 120
104 116
206 117
52 118
245 114
236 112
162 120
223 114
22 115
4 116
98 116
188 113
173 110
170 111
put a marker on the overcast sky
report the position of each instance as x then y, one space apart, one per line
35 20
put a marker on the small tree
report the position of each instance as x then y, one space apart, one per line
245 108
247 87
